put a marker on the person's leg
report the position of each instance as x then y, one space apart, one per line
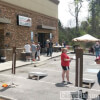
50 51
97 54
33 55
47 51
38 58
63 75
29 56
26 56
38 55
67 75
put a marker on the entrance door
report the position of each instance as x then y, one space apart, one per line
42 37
1 42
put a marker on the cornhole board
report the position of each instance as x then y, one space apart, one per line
88 82
36 75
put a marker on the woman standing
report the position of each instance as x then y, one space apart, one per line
38 51
65 61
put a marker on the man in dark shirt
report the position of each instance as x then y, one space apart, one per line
97 49
50 47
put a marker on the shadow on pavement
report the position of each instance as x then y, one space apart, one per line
61 85
3 89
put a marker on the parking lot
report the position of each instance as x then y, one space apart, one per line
49 87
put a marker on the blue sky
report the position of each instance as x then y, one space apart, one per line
64 15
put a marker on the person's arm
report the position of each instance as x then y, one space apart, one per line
68 59
30 48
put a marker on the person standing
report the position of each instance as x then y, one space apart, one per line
50 47
33 49
27 48
38 51
47 46
97 49
65 62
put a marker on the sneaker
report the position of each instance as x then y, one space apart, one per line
69 83
63 81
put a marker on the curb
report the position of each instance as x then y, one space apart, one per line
30 64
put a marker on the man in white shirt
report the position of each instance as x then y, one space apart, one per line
27 48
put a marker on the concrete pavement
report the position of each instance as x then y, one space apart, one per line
8 65
50 87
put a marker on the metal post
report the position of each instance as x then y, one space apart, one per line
79 67
14 60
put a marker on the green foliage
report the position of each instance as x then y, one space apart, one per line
66 34
94 19
91 26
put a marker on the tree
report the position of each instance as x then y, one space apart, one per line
78 5
95 16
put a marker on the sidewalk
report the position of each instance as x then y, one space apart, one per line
8 65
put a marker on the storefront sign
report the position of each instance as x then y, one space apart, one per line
24 21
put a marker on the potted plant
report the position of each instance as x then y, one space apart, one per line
97 60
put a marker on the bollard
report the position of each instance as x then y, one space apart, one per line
14 60
79 68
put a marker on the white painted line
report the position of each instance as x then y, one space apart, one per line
92 70
61 71
70 86
6 97
47 82
55 83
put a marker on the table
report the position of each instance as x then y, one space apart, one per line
57 48
23 56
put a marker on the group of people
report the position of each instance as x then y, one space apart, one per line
32 51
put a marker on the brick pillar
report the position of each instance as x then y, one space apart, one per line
79 68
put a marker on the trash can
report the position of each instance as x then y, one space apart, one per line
2 59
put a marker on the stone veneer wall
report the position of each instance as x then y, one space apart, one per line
19 35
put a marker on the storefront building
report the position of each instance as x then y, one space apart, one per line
23 21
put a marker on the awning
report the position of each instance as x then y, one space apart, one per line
5 20
86 38
46 27
55 1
